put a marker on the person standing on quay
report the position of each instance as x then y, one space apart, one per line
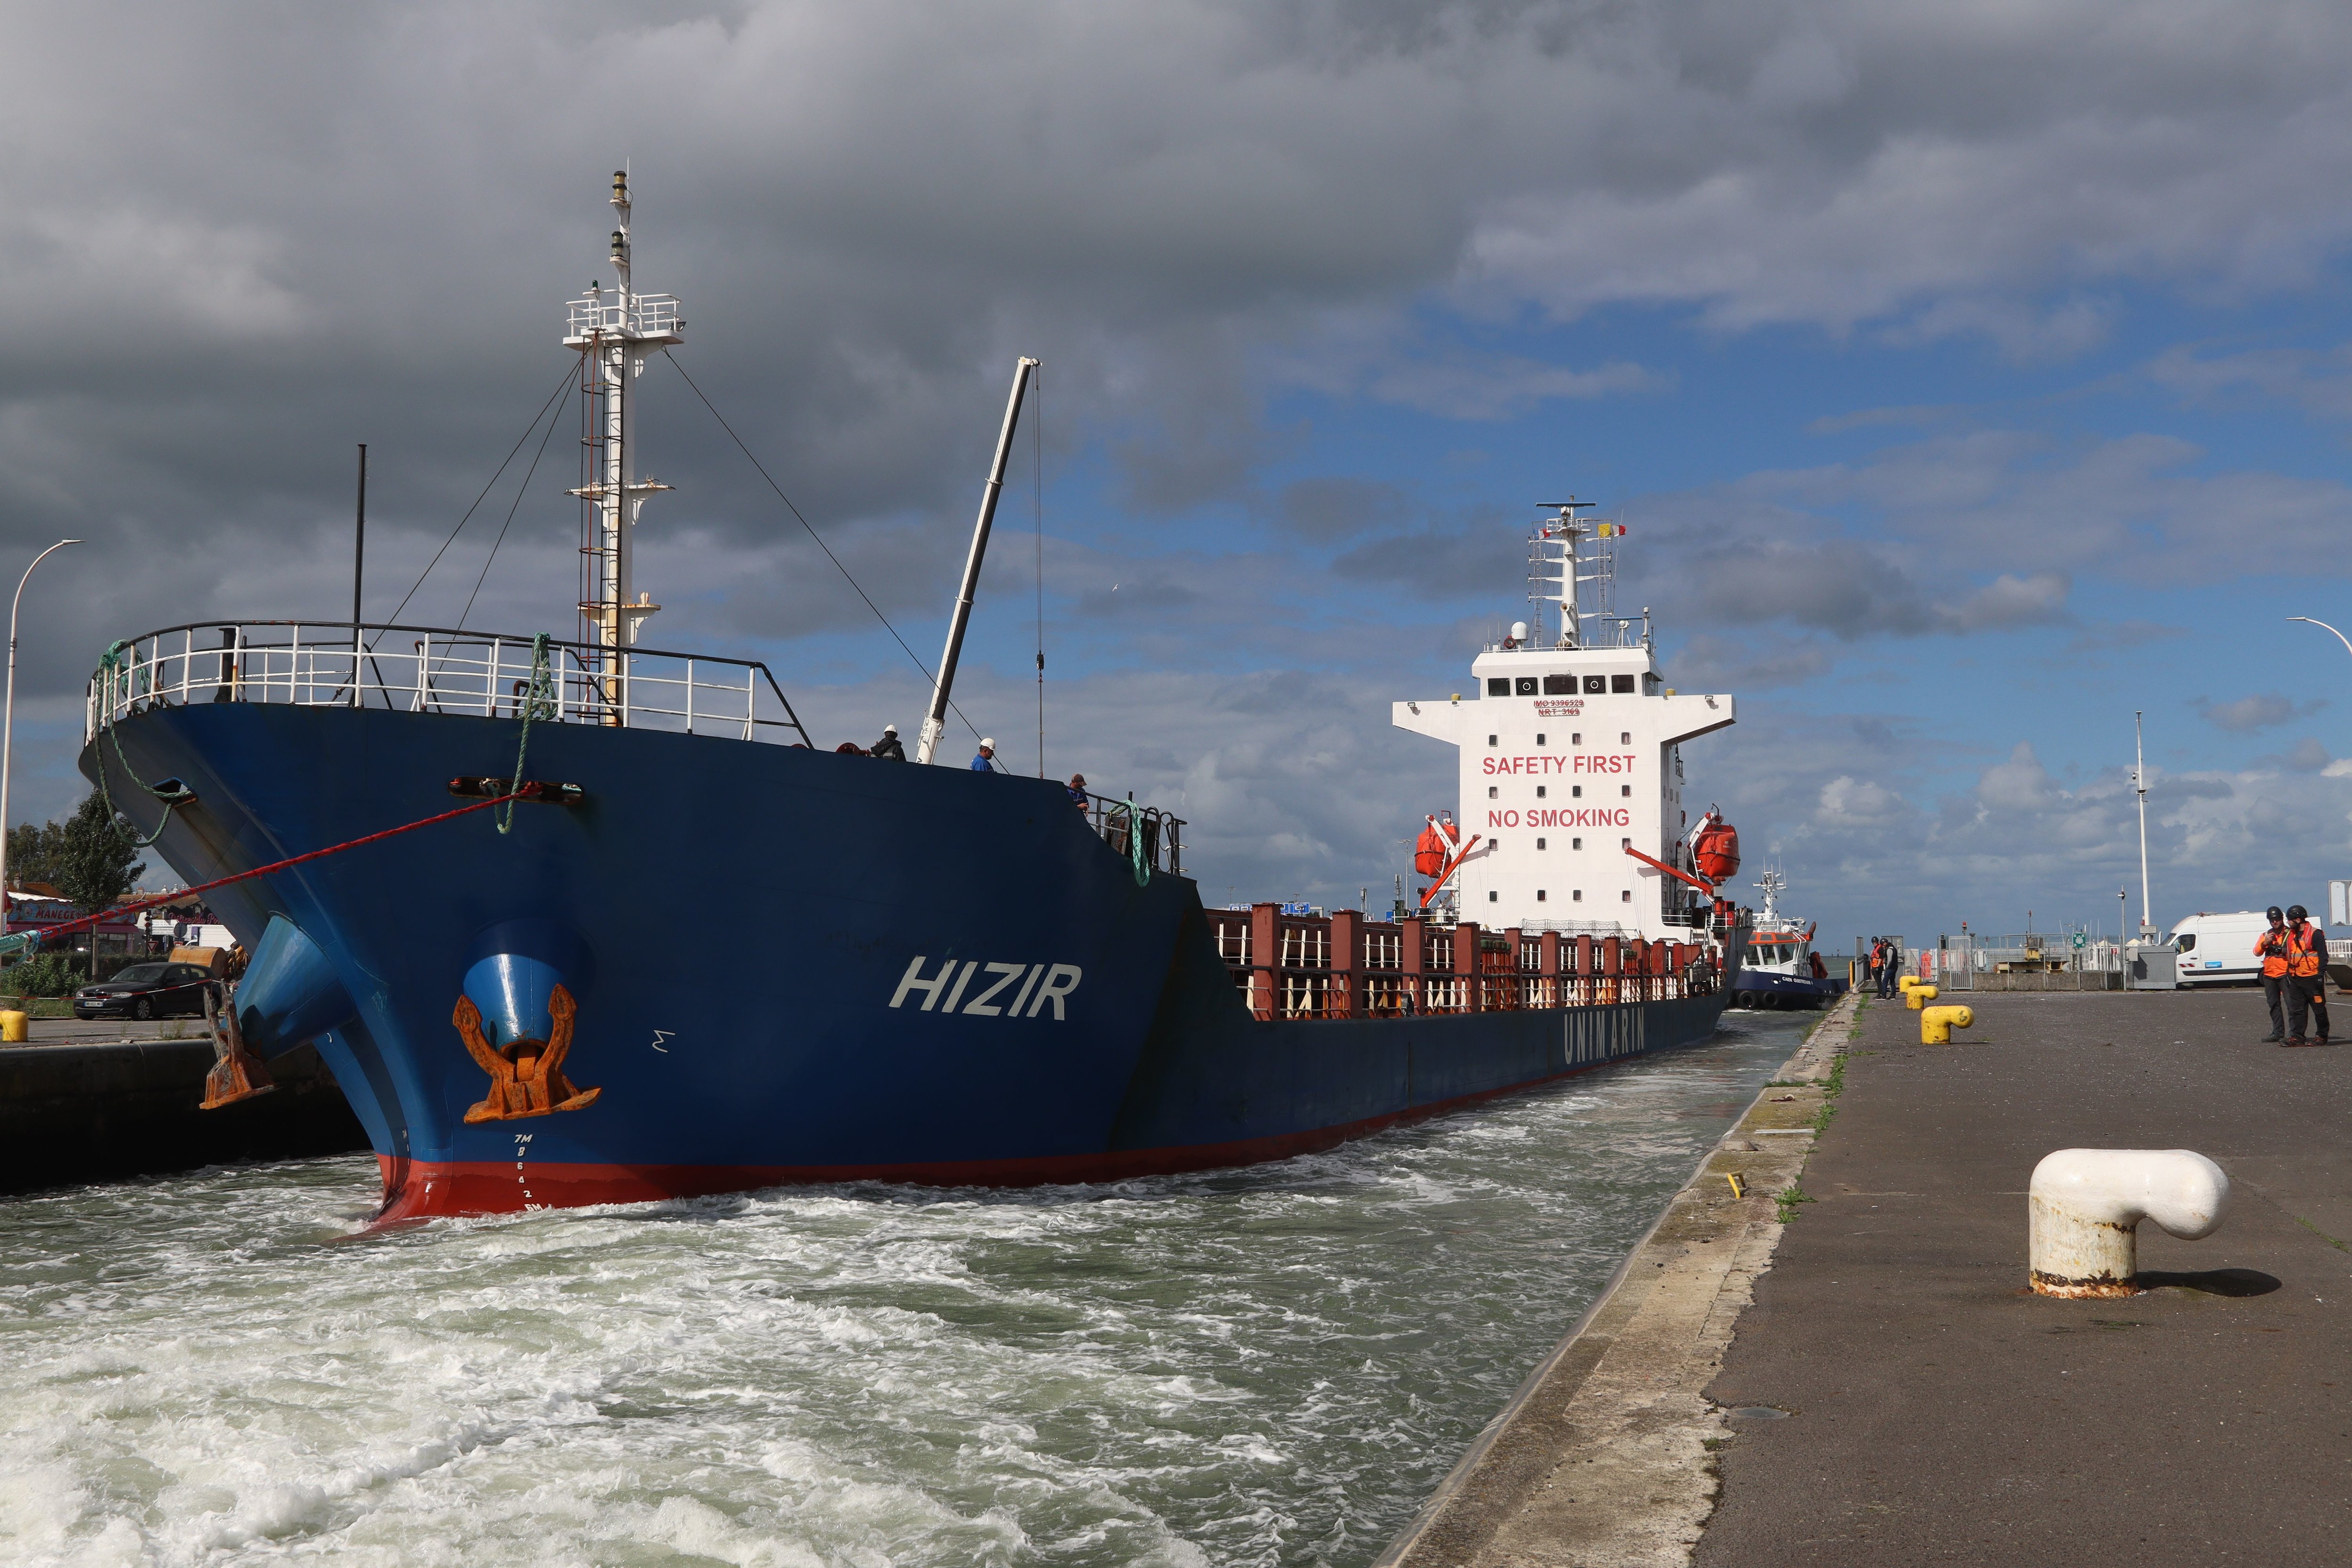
2306 975
2271 948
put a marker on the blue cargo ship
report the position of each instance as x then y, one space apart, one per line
985 982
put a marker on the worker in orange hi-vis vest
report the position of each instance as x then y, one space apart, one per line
2271 948
2307 976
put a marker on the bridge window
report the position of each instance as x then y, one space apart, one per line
1559 685
1620 683
1527 686
1595 684
1498 686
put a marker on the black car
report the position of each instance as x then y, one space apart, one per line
146 991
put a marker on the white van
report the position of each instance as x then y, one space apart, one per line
2219 950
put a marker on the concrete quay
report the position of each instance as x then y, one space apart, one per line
1874 1383
86 1111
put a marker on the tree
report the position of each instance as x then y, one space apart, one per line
96 865
34 851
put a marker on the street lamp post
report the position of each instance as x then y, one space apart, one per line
2324 626
8 720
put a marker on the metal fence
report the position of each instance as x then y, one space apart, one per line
2011 964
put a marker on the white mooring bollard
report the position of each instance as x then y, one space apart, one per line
2086 1205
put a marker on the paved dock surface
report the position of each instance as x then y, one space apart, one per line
105 1031
1938 1412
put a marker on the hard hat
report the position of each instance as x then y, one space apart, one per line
2298 912
986 744
889 729
2273 913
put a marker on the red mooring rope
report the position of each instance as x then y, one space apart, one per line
44 933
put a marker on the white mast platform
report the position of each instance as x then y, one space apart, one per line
613 330
1570 756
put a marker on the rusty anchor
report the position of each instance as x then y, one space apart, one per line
236 1073
526 1076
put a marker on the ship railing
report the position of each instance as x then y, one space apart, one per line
1347 965
1162 833
438 669
645 315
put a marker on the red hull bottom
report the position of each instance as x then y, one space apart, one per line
454 1188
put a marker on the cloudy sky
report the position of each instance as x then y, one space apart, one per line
1971 375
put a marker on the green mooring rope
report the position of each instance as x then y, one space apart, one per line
109 665
539 701
1135 847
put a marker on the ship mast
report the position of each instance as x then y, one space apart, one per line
1557 573
613 331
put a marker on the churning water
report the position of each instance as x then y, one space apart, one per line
1270 1366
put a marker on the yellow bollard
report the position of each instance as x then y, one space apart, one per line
13 1028
1937 1024
1918 997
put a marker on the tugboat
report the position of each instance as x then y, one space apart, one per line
982 985
1779 968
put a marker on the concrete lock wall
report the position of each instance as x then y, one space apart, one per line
78 1113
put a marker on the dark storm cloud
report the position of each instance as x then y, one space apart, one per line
2256 710
1335 507
241 237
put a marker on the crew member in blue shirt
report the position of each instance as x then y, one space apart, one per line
986 761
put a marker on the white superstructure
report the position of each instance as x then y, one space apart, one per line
1570 757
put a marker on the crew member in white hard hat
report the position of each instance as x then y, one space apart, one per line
986 761
887 747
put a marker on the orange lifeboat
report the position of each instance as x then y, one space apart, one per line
1429 852
1717 849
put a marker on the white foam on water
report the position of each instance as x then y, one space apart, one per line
1269 1366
